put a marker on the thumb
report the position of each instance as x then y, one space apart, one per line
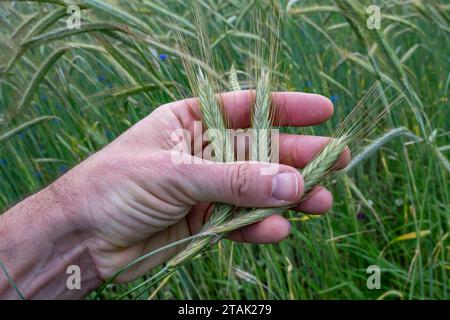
243 184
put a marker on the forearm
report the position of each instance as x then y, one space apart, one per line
39 240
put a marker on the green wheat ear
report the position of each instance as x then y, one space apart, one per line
261 118
214 120
378 143
233 80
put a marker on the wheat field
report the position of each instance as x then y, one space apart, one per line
67 92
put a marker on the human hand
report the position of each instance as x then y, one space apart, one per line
131 197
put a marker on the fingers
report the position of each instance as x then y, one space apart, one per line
241 184
294 150
301 109
319 202
289 108
275 228
298 150
272 229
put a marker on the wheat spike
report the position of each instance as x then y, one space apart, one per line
261 119
377 144
233 80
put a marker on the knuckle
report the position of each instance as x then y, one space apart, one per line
241 179
298 154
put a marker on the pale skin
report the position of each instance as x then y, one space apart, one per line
131 198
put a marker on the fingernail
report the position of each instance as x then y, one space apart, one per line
285 186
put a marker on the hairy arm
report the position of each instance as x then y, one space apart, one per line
39 241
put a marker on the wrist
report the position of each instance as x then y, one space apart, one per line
42 237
